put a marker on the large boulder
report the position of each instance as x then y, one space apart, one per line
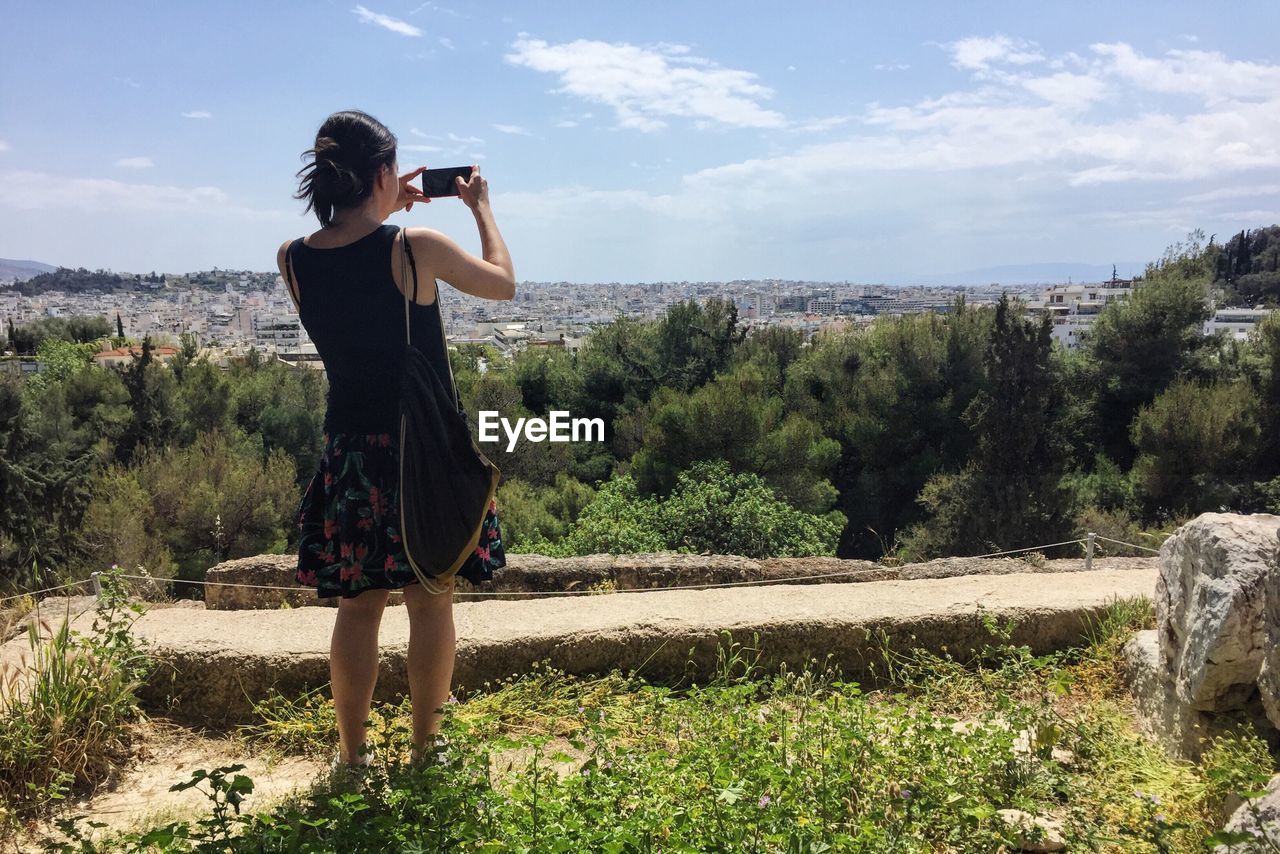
1211 607
1257 822
1269 676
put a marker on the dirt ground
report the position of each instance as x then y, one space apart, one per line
169 754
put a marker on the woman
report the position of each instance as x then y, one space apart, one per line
346 283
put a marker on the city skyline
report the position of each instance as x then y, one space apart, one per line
670 144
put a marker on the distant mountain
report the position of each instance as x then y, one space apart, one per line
11 270
1023 274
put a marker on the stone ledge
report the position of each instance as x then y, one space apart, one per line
215 664
527 574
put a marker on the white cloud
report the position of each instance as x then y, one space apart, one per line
563 123
447 42
1233 193
4 146
979 53
825 124
645 86
395 25
515 130
27 190
1204 74
891 66
1011 139
414 147
1072 91
434 7
466 140
135 163
197 114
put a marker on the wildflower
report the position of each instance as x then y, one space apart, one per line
1137 793
580 709
763 802
607 765
451 699
1159 817
905 794
1155 800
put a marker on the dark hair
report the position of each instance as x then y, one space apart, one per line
351 147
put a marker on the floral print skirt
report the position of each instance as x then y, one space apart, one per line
349 522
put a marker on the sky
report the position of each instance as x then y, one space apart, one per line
657 141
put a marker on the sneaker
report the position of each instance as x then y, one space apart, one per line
348 775
438 751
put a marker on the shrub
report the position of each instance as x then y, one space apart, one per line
64 713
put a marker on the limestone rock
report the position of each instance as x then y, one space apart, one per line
1034 832
1210 606
1269 674
1242 820
671 569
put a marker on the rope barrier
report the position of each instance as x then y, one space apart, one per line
217 583
551 593
1130 545
1027 549
46 590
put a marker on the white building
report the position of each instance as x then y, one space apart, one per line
1236 322
1074 308
278 333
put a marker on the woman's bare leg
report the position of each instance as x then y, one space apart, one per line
353 667
432 644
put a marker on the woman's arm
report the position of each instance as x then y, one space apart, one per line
490 277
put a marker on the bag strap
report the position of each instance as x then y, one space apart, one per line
288 266
406 261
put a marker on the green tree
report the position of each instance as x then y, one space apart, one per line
536 515
119 527
734 418
1010 492
1262 369
1142 344
711 509
693 342
153 399
215 500
893 396
1196 447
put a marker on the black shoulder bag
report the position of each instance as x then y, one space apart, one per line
446 484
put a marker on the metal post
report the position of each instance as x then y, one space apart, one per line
96 577
1088 551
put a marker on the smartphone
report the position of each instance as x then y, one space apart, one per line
439 182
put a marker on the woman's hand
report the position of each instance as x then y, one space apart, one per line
475 192
409 193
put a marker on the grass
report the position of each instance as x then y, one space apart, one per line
790 761
66 708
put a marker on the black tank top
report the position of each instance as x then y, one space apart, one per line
350 306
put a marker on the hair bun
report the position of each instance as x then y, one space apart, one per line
350 149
